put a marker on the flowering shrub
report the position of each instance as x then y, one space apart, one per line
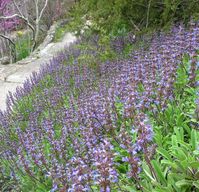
6 10
122 125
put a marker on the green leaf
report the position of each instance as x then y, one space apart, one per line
184 163
183 183
174 140
164 189
196 152
172 164
185 146
196 184
179 120
179 153
182 155
147 171
159 172
179 133
128 188
190 90
194 164
122 168
194 139
164 153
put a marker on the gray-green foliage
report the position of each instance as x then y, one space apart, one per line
130 14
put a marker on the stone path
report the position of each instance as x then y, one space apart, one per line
13 75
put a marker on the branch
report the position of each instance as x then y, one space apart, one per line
136 27
7 38
148 10
42 11
17 7
36 9
21 17
11 16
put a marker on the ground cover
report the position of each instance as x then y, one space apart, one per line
92 120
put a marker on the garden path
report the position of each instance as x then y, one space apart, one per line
14 75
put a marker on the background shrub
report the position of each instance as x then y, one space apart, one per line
115 16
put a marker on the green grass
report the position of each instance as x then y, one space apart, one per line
59 33
23 46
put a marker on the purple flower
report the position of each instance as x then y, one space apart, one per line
67 115
55 188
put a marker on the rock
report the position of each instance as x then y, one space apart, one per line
64 22
49 37
5 60
13 75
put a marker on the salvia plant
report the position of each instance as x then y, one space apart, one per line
128 124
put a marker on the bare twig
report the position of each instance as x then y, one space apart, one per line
17 7
21 17
42 11
136 27
7 38
148 11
